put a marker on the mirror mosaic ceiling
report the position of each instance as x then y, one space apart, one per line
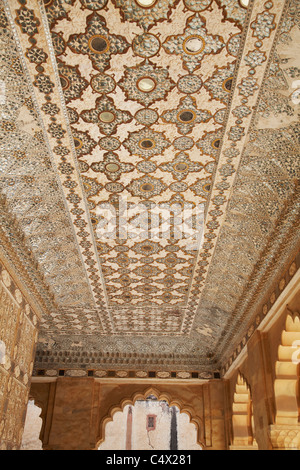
142 108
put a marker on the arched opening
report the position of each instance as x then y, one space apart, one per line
242 417
149 422
32 428
285 433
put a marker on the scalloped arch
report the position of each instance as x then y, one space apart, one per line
143 396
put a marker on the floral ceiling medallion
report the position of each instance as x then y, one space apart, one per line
146 83
194 43
97 42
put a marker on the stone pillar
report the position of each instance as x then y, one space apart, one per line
18 337
70 418
258 383
129 429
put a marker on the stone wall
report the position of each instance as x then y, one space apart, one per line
76 411
18 337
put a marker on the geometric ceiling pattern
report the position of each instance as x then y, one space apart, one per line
150 158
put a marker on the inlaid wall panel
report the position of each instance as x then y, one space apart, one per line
18 337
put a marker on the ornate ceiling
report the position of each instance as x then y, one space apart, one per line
149 166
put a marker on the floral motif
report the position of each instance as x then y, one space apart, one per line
146 187
233 44
241 111
186 115
27 21
109 143
147 247
147 271
264 25
234 10
189 84
56 130
43 83
55 10
98 43
106 115
194 43
59 44
236 133
103 83
36 55
146 143
146 83
181 166
183 143
146 116
111 166
146 45
248 86
156 11
255 58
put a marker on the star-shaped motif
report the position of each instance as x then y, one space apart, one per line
98 43
111 166
146 143
106 115
146 187
181 166
186 115
194 43
146 83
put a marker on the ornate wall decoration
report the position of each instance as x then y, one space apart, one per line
71 81
18 332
